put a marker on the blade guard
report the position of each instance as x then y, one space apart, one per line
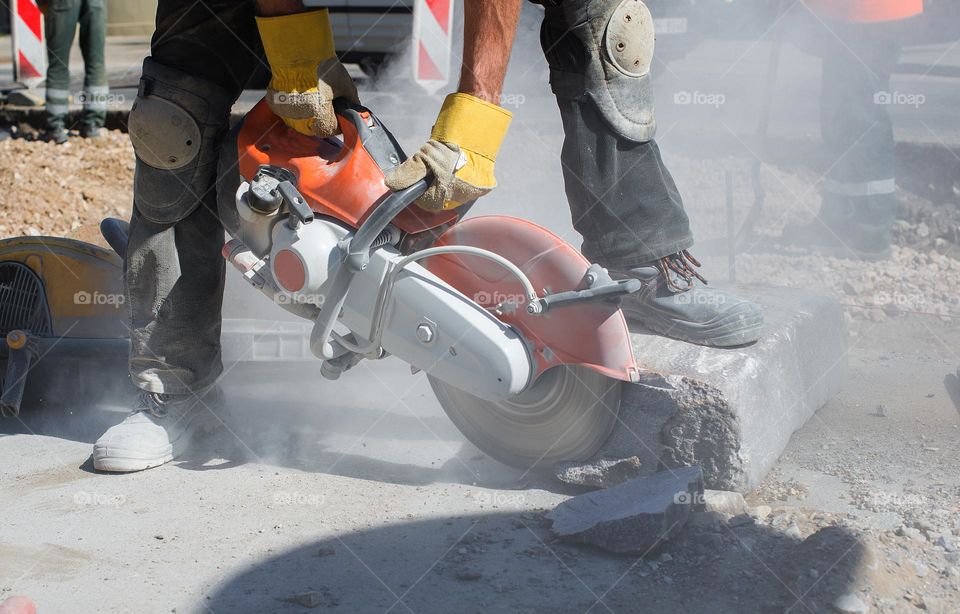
594 335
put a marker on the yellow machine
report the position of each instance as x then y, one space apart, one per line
62 313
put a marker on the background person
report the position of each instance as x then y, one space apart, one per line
61 18
861 49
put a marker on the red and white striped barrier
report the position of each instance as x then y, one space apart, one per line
29 50
432 32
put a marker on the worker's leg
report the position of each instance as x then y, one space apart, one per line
623 200
201 58
93 33
60 25
859 202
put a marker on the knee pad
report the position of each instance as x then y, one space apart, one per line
174 127
617 39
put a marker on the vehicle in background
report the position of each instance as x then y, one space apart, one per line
368 32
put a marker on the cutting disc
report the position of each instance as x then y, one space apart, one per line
566 415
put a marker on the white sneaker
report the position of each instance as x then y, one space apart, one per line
157 431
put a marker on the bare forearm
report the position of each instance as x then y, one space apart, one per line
488 31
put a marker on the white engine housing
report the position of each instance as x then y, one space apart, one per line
426 322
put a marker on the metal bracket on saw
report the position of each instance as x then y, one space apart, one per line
600 286
22 351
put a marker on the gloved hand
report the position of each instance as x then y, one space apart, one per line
459 156
307 75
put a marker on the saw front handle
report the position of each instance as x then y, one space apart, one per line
356 251
371 134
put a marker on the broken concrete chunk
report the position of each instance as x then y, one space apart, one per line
945 542
760 512
601 473
849 604
725 502
710 521
741 520
635 516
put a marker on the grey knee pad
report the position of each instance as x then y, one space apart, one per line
174 126
618 38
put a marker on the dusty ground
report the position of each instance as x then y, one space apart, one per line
274 513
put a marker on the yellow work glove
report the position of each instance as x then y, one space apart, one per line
307 75
459 156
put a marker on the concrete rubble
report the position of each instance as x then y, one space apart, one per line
849 604
730 411
635 516
602 473
725 502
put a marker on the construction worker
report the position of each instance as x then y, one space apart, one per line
61 18
622 198
860 52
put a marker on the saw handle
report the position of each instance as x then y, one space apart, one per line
598 287
356 251
371 135
300 211
612 291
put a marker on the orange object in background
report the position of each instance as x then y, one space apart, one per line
18 604
866 11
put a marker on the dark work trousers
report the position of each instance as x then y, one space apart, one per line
174 272
855 122
61 18
622 199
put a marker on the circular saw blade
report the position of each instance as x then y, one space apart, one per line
566 415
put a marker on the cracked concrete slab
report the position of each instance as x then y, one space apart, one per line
731 411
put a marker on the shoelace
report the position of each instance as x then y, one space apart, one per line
682 264
153 403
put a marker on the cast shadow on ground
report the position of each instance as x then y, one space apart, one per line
507 562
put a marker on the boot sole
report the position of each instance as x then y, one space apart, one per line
126 461
732 330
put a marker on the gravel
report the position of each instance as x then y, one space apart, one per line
921 277
65 190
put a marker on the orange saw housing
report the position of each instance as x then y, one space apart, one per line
337 179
